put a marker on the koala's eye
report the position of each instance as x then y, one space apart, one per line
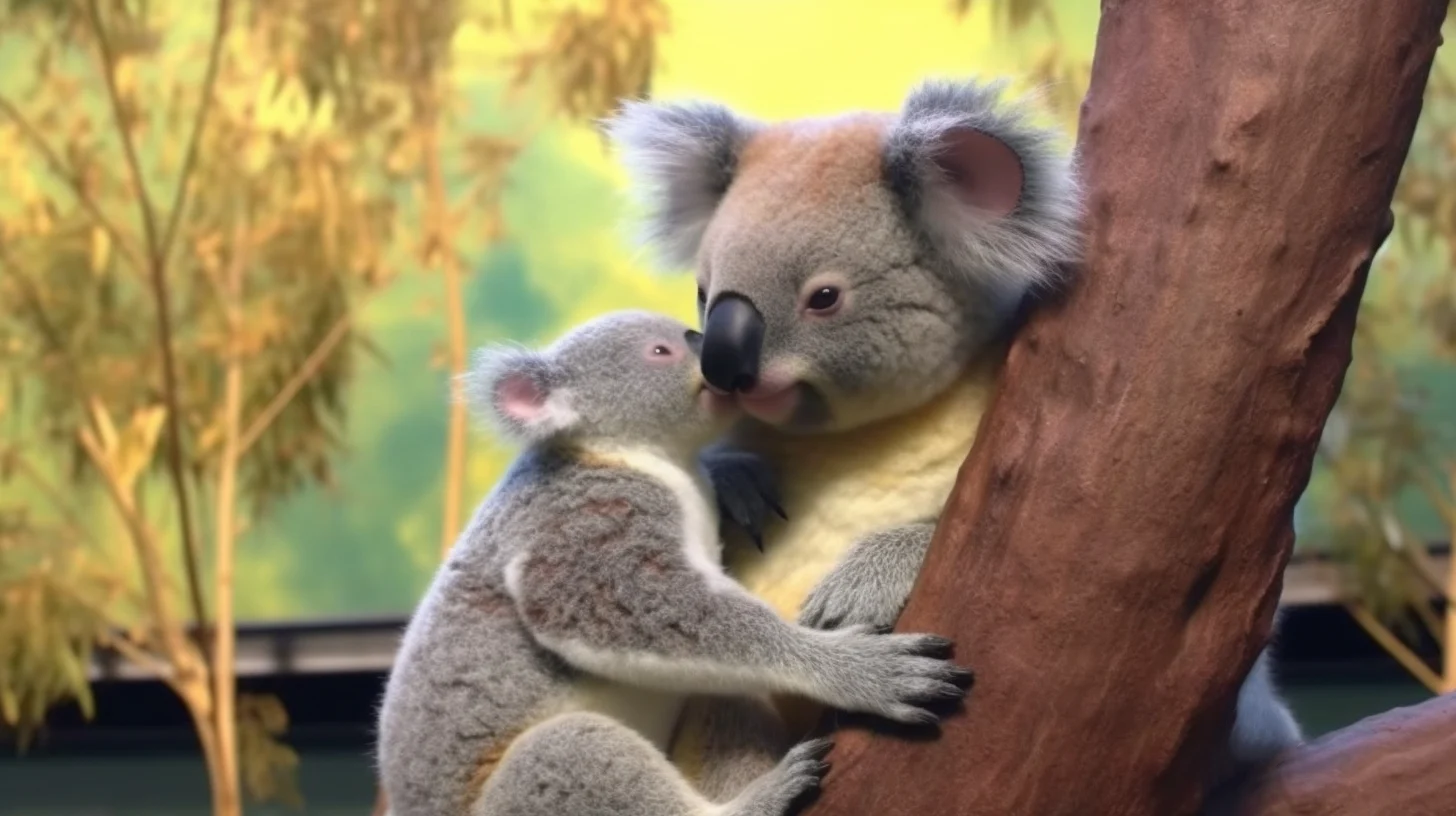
702 298
823 299
660 353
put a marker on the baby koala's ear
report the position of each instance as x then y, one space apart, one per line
520 392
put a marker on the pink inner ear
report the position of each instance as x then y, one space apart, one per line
520 397
983 170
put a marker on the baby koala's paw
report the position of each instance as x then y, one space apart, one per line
853 597
798 773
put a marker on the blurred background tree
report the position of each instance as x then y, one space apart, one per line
181 263
245 212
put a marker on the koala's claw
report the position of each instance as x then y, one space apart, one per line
799 772
746 490
897 675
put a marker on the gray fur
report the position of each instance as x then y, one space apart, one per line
1008 255
927 286
744 737
599 386
931 283
683 157
872 584
581 584
585 764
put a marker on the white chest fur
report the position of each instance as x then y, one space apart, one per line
837 488
692 494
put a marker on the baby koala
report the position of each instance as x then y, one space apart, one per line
543 671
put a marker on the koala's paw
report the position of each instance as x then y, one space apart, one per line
841 601
799 772
897 676
746 488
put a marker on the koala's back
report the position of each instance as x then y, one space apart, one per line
469 676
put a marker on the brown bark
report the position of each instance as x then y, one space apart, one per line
1112 555
1397 762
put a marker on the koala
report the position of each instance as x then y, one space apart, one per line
542 672
858 276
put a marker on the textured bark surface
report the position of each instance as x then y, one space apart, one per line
1400 762
1111 558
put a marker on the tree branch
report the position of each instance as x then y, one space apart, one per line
158 268
224 690
67 509
128 145
1396 762
136 654
300 378
59 169
1393 646
1111 558
149 556
204 107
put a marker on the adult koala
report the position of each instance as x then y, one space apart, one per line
856 277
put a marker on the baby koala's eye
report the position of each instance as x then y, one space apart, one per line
702 298
823 299
660 352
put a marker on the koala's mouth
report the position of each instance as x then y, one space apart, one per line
715 403
771 403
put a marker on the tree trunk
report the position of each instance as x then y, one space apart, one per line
1112 555
1413 776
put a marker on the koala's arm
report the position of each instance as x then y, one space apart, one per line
746 489
623 600
872 583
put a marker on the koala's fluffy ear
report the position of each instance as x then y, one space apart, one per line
681 157
990 190
519 392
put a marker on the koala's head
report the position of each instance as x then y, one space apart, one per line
849 268
628 378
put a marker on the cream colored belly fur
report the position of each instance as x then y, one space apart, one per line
838 488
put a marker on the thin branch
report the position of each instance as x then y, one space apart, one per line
224 679
138 655
300 378
204 107
48 328
59 169
1394 647
133 162
68 510
1443 505
1428 616
1414 554
164 328
148 552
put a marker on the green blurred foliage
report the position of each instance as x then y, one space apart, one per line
309 180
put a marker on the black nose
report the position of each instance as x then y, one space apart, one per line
732 342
